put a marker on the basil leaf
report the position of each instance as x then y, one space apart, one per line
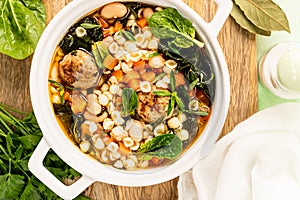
170 151
21 25
172 81
129 101
162 93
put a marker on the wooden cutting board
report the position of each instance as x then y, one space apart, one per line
240 52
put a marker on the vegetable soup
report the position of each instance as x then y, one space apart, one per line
132 85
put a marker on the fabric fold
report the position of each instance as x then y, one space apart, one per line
258 160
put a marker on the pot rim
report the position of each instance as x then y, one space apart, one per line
71 154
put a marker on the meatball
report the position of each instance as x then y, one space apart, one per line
150 107
78 69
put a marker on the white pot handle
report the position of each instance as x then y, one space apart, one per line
224 9
38 169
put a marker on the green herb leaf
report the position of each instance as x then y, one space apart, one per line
172 81
179 102
100 52
16 147
265 14
157 78
168 23
153 54
30 141
243 21
11 185
170 18
193 84
30 192
90 25
162 93
156 143
129 101
171 105
128 35
171 150
21 24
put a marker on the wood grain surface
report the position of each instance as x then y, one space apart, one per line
240 52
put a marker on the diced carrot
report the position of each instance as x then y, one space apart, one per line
67 96
148 76
156 161
108 31
118 26
123 150
131 75
103 23
142 22
118 74
134 84
179 79
140 65
110 62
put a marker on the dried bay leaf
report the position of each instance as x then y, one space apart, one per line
245 23
265 14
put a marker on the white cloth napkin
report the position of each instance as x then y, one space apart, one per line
258 160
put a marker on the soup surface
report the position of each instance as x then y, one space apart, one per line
131 85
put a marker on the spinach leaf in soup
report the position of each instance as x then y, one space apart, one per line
21 25
129 101
72 41
170 19
170 147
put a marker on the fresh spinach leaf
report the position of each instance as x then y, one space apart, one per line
169 151
129 101
169 18
156 143
21 25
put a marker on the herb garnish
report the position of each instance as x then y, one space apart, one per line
18 139
173 95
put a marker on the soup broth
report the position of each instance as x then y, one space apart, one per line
132 85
